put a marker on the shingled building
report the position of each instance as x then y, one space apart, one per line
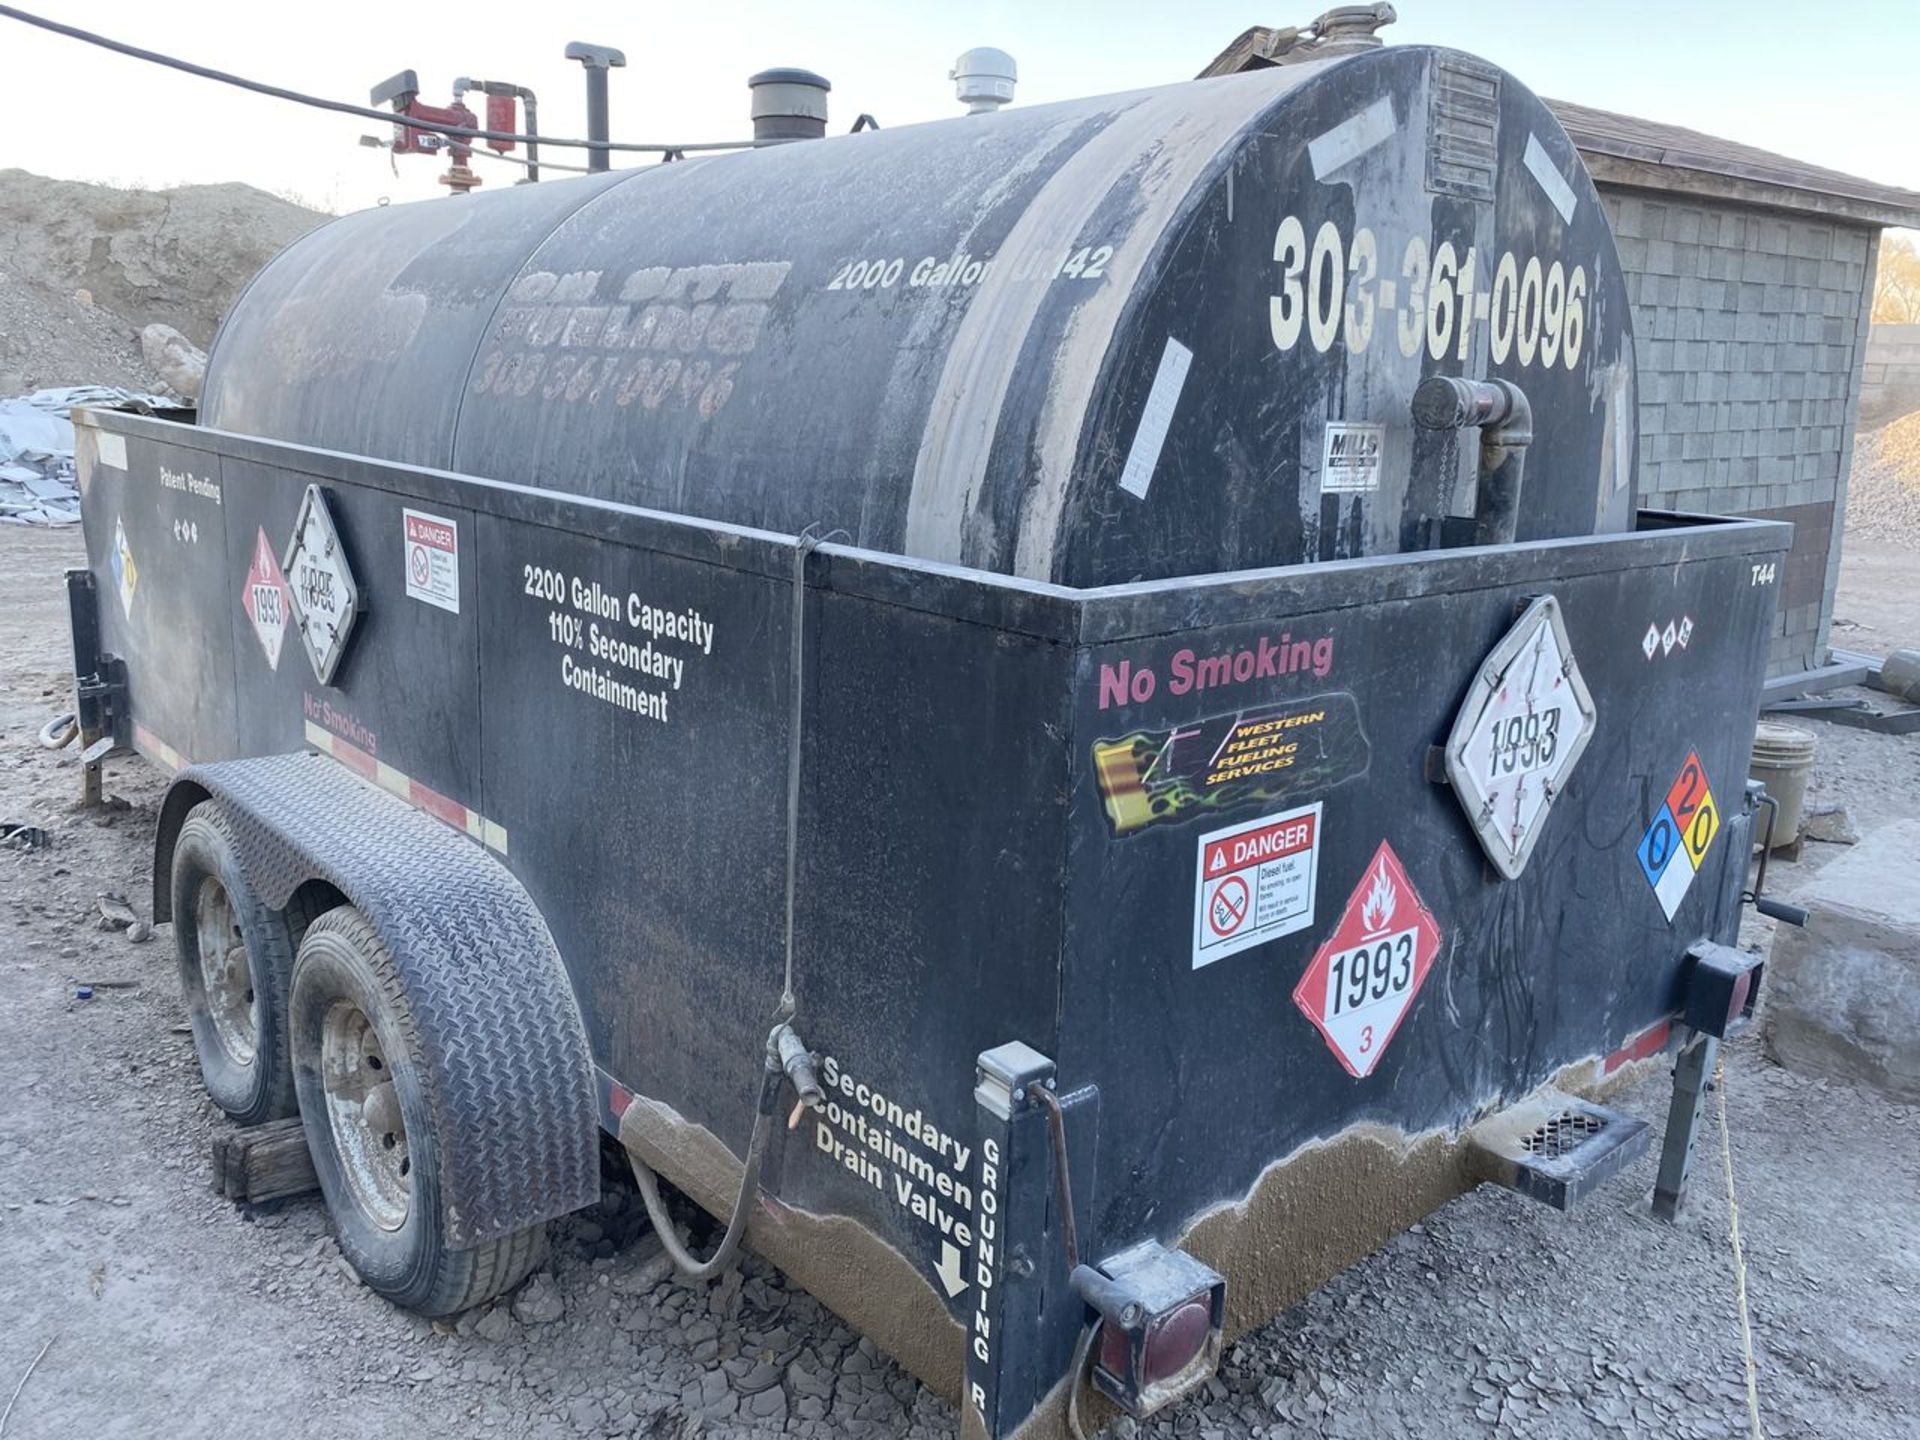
1751 280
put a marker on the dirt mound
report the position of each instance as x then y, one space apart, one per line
1883 488
50 339
83 268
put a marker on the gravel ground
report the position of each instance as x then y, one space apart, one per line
174 1312
1883 487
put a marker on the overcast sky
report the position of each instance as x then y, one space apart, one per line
1833 84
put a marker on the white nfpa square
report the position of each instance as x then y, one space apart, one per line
1673 885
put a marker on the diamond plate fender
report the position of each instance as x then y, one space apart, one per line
508 1073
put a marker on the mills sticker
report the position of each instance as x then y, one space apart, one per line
1363 979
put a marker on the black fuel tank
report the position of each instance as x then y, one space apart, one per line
1169 332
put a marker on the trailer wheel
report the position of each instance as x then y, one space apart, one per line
236 957
358 1070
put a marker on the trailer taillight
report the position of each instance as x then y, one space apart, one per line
1722 986
1160 1315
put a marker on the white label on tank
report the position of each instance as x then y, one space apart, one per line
1254 882
112 448
1350 464
1558 192
1351 138
433 559
1151 434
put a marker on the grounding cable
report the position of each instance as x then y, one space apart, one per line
804 544
529 164
1739 1254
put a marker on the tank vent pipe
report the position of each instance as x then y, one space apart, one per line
983 79
597 60
788 104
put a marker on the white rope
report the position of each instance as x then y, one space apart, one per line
1739 1254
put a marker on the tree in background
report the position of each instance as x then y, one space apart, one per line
1896 285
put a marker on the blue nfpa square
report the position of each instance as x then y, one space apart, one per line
1659 846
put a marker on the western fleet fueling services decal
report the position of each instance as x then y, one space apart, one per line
1363 979
1680 836
265 599
1255 883
1224 760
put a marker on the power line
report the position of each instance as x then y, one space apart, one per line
340 106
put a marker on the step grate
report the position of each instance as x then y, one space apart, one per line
1563 1134
1554 1147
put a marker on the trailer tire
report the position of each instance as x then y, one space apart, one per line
236 993
358 1067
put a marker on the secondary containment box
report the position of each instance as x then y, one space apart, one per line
1204 778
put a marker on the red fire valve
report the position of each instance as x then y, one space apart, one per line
500 116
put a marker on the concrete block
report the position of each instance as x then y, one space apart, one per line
1843 995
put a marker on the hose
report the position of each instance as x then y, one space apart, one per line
59 732
684 1260
786 1054
786 1058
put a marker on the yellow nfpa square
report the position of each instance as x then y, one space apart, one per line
1691 801
1698 836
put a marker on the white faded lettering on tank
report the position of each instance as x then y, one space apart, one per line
668 337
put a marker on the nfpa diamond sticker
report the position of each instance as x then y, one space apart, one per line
1363 979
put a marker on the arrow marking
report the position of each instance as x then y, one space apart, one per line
949 1269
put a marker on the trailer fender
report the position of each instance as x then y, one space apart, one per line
508 1072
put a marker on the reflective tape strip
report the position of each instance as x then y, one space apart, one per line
158 751
402 785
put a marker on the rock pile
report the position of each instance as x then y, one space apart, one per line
1883 490
85 268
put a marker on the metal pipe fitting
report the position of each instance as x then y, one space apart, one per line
598 59
787 1050
1499 410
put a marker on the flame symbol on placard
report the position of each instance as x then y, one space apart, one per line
1376 911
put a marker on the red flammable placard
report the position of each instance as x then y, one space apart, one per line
1363 979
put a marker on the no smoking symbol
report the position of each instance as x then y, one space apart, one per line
421 565
1227 908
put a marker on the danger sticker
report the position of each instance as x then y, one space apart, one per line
433 559
1362 981
1255 883
264 598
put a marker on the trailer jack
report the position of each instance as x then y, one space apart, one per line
1722 986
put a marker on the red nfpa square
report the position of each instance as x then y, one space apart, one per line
1688 787
1362 980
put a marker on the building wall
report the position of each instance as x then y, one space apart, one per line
1750 328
